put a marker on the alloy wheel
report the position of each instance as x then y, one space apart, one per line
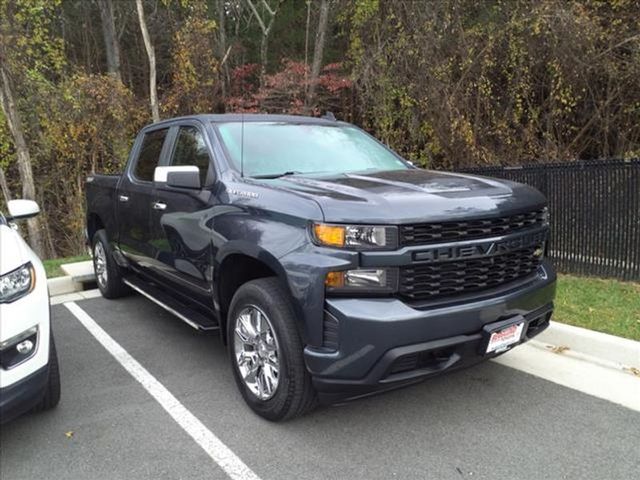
256 352
100 262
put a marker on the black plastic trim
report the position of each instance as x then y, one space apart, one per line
23 395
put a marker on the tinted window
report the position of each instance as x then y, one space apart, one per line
273 148
149 155
190 149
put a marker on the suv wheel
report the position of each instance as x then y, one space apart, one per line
265 351
108 275
52 392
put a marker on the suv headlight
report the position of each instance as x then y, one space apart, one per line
17 284
356 237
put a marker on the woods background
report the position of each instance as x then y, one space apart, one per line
448 84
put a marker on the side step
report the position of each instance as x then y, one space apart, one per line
188 315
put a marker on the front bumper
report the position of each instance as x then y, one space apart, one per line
22 396
385 343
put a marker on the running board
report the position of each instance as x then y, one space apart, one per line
189 316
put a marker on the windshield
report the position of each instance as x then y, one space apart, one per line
272 149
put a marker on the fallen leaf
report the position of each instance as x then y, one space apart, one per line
633 371
557 348
69 434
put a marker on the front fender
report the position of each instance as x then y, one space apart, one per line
302 272
249 249
306 270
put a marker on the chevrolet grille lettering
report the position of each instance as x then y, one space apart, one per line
480 249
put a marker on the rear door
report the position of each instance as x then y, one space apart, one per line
135 196
179 223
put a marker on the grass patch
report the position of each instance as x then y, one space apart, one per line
608 306
52 266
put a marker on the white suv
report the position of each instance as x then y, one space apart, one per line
29 375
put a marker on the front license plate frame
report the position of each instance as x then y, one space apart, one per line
504 335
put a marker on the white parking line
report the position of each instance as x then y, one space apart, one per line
210 443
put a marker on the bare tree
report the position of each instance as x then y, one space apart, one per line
4 188
318 50
12 115
111 45
306 49
151 54
265 21
223 53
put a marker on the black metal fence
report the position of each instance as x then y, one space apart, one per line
595 213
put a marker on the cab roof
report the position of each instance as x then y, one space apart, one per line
250 117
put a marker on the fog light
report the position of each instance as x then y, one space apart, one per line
24 347
18 338
19 348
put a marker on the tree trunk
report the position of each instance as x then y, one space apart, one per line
110 38
6 194
153 92
264 48
222 47
318 50
306 51
266 30
12 115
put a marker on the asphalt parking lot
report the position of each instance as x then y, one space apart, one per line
490 421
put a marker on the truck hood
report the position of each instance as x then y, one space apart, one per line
408 196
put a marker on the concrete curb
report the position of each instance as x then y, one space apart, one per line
75 296
78 274
591 346
62 285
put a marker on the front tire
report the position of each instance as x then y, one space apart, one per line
108 274
51 396
265 351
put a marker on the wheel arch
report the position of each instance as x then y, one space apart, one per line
94 223
237 266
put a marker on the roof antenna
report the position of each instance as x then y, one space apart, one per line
242 87
242 145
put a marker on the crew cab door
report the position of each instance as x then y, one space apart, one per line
135 197
180 222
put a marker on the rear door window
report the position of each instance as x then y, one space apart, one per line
149 156
191 149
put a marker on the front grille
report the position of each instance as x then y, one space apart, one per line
427 233
435 280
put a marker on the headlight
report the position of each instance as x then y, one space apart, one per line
17 283
357 237
371 280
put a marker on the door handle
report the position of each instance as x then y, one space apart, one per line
123 198
159 206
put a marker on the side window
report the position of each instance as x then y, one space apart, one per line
149 155
190 149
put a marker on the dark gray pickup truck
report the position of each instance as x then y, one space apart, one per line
331 267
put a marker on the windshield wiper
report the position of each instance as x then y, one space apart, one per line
275 175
